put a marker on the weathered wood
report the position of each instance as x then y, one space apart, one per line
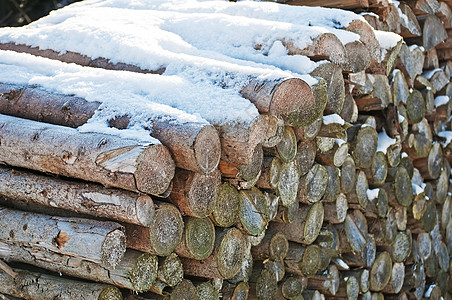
243 176
83 198
433 32
419 143
226 259
359 57
335 84
163 236
306 227
348 174
302 260
378 97
195 193
195 146
235 292
363 144
287 186
308 132
335 212
376 174
430 167
335 156
349 111
313 185
136 271
274 246
306 154
106 159
389 59
367 37
36 286
359 194
327 283
421 7
197 239
225 211
409 25
380 273
96 241
411 62
274 131
253 212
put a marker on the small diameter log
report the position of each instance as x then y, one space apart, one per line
195 193
136 271
198 238
313 185
348 174
253 212
376 174
367 37
380 274
431 60
333 185
274 131
96 241
162 237
302 260
286 149
306 154
335 212
401 247
403 188
170 272
308 132
363 142
245 271
335 85
83 198
292 286
335 156
226 208
359 194
420 141
362 276
244 176
415 106
235 292
274 246
327 283
226 259
287 186
411 62
433 32
409 25
380 94
263 285
271 168
399 88
207 291
281 97
36 286
430 167
195 146
102 158
349 111
312 109
389 55
355 227
306 226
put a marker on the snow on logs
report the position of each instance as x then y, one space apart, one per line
334 189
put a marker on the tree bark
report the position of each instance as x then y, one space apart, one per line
195 146
83 198
96 241
36 286
110 160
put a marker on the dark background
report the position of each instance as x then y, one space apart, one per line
22 12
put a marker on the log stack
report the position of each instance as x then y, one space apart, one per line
339 188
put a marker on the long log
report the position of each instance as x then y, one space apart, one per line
195 146
37 286
83 198
107 159
97 241
136 271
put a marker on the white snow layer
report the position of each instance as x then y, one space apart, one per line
441 100
387 40
384 141
372 194
333 119
447 135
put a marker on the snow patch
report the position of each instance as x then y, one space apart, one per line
384 141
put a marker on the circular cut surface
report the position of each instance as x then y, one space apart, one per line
166 231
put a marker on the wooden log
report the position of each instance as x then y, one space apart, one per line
376 174
445 14
198 238
359 194
195 193
253 212
335 212
226 259
306 154
37 286
395 284
421 7
206 290
327 283
433 32
335 85
96 241
431 60
271 168
333 184
292 286
390 18
335 156
313 185
287 186
363 144
235 292
136 271
349 111
244 176
170 273
430 167
274 131
367 37
399 88
306 227
325 46
380 274
389 58
359 57
411 62
195 146
225 212
83 198
263 285
287 148
379 96
348 175
245 271
106 159
415 106
409 25
419 143
274 246
308 132
162 237
302 260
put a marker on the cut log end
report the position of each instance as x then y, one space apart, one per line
199 237
380 273
166 231
225 211
171 270
291 95
231 253
113 247
110 293
145 210
207 149
144 272
184 290
155 170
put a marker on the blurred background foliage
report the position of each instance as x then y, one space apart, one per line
22 12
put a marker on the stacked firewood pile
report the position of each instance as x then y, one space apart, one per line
338 188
